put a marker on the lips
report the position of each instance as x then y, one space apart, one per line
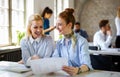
37 33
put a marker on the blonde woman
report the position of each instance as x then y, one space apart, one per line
117 23
35 45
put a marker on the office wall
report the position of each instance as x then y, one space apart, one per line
39 5
90 12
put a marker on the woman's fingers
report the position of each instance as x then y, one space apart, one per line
70 70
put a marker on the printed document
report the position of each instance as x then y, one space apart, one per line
48 65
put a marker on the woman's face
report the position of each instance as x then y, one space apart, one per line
62 27
36 29
48 15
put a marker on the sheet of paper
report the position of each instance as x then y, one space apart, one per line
13 66
48 65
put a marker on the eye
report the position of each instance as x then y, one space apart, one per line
59 24
35 27
41 26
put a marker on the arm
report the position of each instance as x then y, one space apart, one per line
105 44
74 70
84 61
25 51
57 51
49 29
117 23
99 41
86 36
84 57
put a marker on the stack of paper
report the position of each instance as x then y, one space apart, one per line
47 65
13 66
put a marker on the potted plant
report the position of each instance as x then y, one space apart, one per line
20 35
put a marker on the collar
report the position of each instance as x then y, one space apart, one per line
63 41
37 39
101 32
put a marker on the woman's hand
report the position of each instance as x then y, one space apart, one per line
70 70
21 62
74 70
52 28
35 57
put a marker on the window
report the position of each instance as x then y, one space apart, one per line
12 18
59 6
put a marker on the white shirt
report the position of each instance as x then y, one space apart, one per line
42 47
101 40
117 23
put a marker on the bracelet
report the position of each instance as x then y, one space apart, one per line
79 70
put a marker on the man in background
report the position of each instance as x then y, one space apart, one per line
103 37
77 29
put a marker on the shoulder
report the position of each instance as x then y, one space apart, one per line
83 31
80 39
24 41
46 20
117 19
97 33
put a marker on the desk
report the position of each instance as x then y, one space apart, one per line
86 74
10 53
96 73
109 51
108 59
13 74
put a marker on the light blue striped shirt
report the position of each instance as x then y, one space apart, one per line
76 56
42 47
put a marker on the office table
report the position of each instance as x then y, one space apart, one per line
95 73
108 59
109 51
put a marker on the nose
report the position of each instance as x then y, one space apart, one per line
57 27
38 30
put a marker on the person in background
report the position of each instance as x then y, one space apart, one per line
36 45
103 37
117 23
78 29
46 14
72 46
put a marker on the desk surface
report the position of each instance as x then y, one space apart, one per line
60 74
109 51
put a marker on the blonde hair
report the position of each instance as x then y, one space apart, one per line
118 12
34 17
